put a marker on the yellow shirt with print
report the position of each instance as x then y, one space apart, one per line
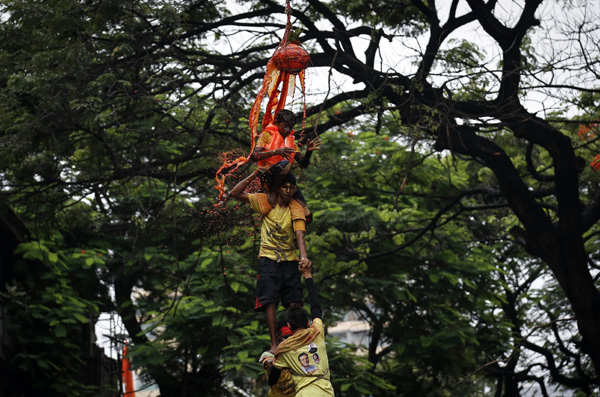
311 376
278 227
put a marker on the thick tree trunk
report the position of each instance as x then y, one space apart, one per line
560 243
569 266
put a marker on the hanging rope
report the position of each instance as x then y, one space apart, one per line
288 61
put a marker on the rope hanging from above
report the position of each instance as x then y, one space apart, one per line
289 60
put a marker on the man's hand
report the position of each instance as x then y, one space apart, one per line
238 190
314 144
305 267
267 362
285 152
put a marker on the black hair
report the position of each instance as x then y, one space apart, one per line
285 116
281 324
297 317
289 178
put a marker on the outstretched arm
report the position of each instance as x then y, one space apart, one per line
313 297
304 159
238 190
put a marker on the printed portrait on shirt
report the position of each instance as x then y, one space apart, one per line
307 367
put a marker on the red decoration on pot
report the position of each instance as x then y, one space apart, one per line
292 58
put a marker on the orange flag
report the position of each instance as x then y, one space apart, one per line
127 374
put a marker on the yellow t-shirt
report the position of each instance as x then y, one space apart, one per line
309 366
278 226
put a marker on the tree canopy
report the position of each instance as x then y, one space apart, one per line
456 195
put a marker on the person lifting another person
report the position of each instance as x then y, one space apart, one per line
282 220
303 353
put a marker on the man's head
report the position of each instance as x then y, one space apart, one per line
285 121
297 318
288 188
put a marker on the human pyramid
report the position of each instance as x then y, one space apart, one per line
297 363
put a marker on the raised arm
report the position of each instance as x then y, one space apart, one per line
238 190
313 297
304 159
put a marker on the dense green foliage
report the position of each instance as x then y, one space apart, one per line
461 227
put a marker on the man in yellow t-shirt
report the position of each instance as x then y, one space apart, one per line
304 353
278 275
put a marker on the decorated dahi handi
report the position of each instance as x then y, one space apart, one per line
287 63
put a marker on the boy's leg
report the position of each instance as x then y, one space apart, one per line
267 295
278 179
272 324
269 177
291 286
299 197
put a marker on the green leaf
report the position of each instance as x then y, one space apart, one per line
59 331
81 318
434 277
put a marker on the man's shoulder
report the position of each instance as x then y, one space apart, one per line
296 210
260 202
257 195
265 136
269 130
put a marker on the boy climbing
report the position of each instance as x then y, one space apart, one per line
278 275
276 151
